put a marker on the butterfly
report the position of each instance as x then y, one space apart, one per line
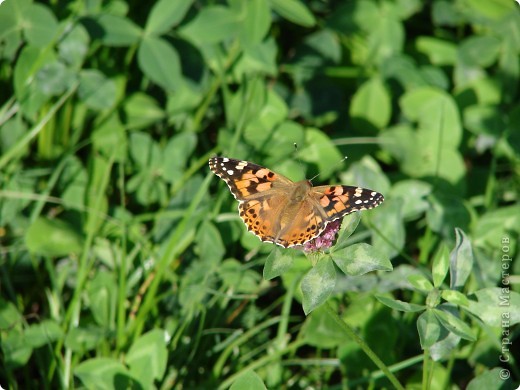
284 212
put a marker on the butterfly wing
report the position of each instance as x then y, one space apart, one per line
247 180
262 195
334 202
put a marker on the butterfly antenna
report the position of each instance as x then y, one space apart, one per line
338 163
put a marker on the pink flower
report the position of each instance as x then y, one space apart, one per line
325 239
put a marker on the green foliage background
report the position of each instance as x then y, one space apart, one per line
123 260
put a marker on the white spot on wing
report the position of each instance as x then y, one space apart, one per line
241 165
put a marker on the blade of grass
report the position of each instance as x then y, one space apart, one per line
85 263
261 362
364 346
25 140
173 250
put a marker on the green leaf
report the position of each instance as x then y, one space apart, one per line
44 333
447 13
209 243
10 33
467 74
494 10
142 110
10 317
287 133
237 278
358 259
352 17
487 90
433 299
160 62
40 25
260 58
118 31
455 297
212 24
30 60
420 283
490 379
386 39
318 284
15 9
103 374
440 265
84 339
54 78
439 51
15 349
434 76
52 237
248 380
177 153
407 8
295 11
11 133
271 111
404 70
185 98
348 226
277 263
454 324
485 120
429 329
445 347
413 194
370 108
96 91
435 111
461 260
399 305
110 138
446 213
509 69
479 50
321 151
74 46
493 226
389 222
496 306
147 357
256 20
166 14
102 295
144 151
322 331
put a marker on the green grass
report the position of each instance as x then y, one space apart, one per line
124 262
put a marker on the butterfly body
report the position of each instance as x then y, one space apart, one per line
284 212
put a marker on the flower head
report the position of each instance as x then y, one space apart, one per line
325 239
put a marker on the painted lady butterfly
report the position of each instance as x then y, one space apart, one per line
281 211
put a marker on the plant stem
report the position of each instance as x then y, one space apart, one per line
364 346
